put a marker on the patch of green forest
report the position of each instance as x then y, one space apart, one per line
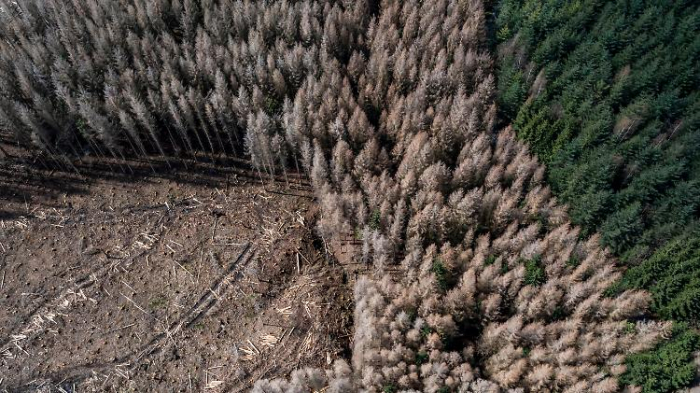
606 94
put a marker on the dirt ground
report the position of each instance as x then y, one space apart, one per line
196 279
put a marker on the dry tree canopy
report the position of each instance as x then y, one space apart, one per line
164 77
390 111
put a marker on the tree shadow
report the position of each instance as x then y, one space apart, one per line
22 181
28 175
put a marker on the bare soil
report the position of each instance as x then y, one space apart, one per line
190 280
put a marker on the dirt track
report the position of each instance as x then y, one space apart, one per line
162 284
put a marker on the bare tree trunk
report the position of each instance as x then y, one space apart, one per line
286 179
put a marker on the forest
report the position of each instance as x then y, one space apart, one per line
606 94
530 167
